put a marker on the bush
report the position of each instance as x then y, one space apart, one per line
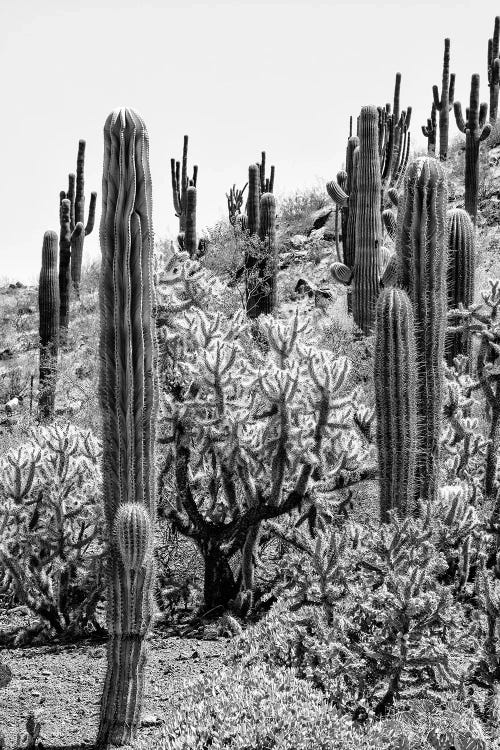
51 543
259 708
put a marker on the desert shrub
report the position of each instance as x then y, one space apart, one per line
366 613
51 543
294 209
260 707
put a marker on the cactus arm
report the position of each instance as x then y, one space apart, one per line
451 94
338 196
483 113
195 175
91 217
174 169
485 132
128 395
435 95
459 118
389 222
262 171
253 198
271 180
390 274
184 177
341 273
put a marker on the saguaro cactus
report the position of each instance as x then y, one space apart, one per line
395 377
476 129
365 273
494 70
422 258
128 394
430 130
460 275
444 102
180 184
190 245
78 216
48 307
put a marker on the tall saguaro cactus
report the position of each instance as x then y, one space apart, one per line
430 130
422 264
78 216
444 103
48 307
395 377
180 184
128 394
494 70
476 129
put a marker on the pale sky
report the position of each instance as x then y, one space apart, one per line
237 77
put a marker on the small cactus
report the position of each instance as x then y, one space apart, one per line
430 131
48 306
133 534
395 377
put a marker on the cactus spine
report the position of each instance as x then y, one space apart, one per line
128 394
180 184
78 214
422 256
48 307
476 130
395 400
494 70
444 103
190 234
460 275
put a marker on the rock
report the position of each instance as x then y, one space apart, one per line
305 286
5 675
319 218
6 354
19 285
12 286
298 240
150 720
12 406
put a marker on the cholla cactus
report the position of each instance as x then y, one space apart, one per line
239 450
50 517
128 393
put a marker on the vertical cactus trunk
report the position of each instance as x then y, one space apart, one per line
48 307
251 255
64 266
494 70
422 253
128 394
395 377
349 213
190 236
460 275
445 103
368 244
